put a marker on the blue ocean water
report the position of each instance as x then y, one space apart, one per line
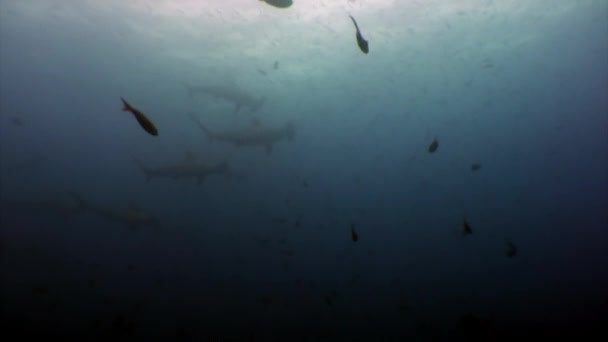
449 185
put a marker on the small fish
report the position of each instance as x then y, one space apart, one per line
279 3
276 65
353 233
475 167
297 223
144 122
466 229
363 44
511 249
433 146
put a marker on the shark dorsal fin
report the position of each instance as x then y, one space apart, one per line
189 157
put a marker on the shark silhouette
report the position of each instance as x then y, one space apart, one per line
130 215
187 168
231 94
253 135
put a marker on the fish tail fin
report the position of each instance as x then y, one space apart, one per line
143 168
203 128
125 105
354 22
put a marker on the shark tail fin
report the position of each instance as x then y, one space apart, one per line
143 168
203 128
82 205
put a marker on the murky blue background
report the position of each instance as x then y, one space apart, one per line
519 87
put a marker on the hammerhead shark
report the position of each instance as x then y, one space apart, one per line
233 94
187 168
130 215
253 135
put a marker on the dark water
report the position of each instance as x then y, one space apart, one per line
515 95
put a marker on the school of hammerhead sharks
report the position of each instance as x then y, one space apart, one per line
254 135
251 135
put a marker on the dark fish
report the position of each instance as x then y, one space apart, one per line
433 146
353 234
144 122
466 229
279 3
363 45
305 183
276 65
475 167
511 249
297 223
